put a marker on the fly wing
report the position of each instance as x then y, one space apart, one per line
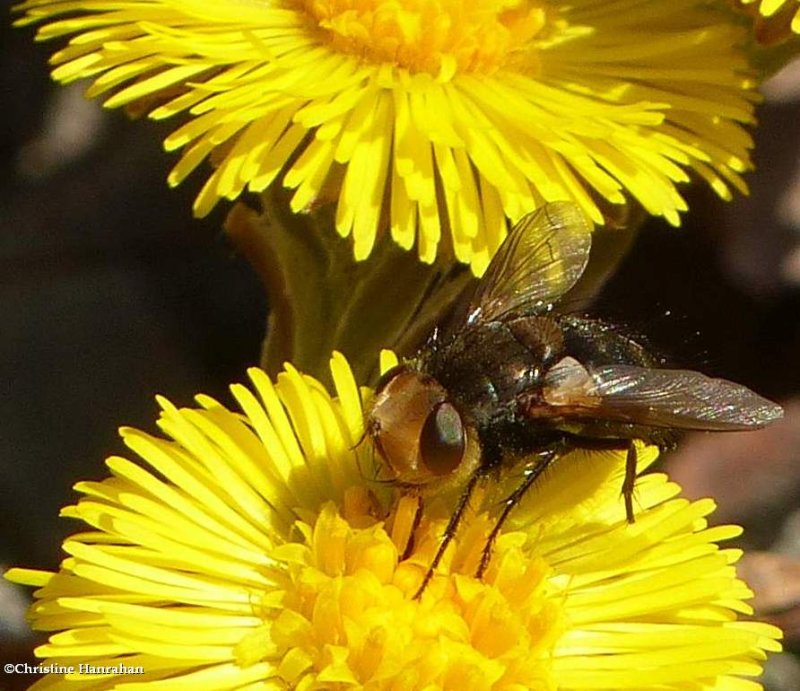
543 256
680 399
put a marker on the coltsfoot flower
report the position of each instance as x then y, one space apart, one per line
424 118
254 549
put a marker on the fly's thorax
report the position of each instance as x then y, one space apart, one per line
489 363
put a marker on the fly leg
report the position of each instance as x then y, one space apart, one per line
450 530
511 501
630 481
414 525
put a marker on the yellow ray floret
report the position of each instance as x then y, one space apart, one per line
257 548
776 20
427 118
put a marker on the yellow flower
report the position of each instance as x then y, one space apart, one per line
256 547
427 118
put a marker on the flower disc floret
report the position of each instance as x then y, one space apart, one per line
440 38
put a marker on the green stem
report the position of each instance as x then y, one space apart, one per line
322 300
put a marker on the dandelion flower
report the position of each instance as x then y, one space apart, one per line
424 118
253 549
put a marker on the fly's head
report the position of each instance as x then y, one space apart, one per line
416 429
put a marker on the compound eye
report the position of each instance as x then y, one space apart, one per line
442 440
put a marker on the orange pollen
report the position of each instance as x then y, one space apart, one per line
431 36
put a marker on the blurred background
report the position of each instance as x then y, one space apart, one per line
110 292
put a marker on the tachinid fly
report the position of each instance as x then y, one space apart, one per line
514 381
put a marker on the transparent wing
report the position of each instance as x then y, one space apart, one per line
681 399
540 260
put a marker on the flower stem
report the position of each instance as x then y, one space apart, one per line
321 299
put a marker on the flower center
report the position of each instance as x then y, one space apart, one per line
347 614
434 36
